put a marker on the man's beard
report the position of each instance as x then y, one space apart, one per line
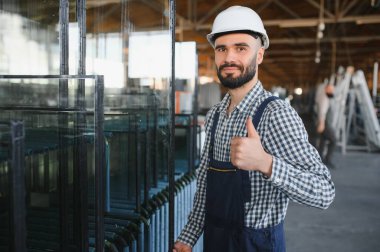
246 75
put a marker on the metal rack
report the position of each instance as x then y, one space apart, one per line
354 117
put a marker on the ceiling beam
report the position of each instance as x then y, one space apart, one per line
190 9
292 13
303 59
336 7
317 6
353 39
215 9
308 52
195 11
307 22
105 15
348 8
211 12
286 9
159 7
263 6
96 3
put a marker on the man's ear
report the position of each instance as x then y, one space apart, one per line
260 55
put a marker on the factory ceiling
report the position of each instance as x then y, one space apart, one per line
351 36
301 52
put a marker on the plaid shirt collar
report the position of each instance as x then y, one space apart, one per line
246 103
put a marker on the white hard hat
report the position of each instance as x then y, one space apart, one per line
238 18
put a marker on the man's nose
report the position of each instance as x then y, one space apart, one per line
230 56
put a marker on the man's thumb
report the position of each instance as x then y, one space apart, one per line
251 131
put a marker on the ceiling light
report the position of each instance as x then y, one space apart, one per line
320 35
321 26
298 91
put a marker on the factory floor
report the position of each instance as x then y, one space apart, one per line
352 222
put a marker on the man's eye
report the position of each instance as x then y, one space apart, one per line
220 49
240 49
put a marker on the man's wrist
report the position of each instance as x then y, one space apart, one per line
267 165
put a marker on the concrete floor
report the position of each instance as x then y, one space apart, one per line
352 222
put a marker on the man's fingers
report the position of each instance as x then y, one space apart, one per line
250 128
181 247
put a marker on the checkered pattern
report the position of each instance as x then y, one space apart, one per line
298 172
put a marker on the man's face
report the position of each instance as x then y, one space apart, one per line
236 59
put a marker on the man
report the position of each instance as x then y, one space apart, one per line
247 176
326 134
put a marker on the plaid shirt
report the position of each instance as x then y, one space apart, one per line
297 170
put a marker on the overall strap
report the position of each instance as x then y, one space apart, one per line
260 110
213 130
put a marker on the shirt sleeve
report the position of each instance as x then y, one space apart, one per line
195 224
297 168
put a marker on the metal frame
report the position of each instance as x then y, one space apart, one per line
195 114
172 24
80 181
17 189
63 102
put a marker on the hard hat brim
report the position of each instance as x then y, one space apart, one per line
211 37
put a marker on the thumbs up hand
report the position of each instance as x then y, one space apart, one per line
247 153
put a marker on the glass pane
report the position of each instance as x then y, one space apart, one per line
135 57
129 42
59 146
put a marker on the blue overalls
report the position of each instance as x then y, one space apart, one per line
228 188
